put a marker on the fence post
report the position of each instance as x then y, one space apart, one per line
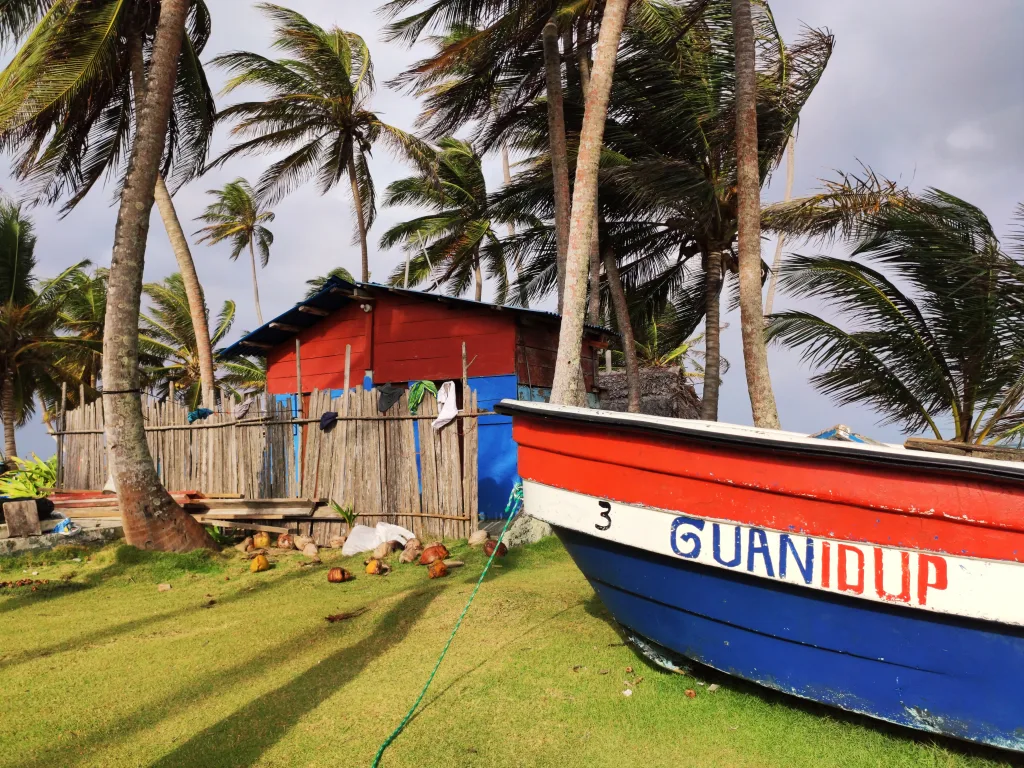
298 414
344 412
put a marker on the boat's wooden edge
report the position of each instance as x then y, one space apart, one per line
985 468
952 448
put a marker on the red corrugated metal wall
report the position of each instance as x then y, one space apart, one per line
412 339
536 350
323 353
417 339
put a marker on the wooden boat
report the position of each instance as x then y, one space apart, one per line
875 579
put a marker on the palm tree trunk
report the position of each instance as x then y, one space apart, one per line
255 285
625 328
748 182
568 382
179 243
712 337
559 151
506 172
360 219
478 276
10 415
193 288
777 261
594 306
150 517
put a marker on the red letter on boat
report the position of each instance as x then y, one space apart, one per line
904 595
841 553
826 565
923 561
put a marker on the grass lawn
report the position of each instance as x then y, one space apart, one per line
98 668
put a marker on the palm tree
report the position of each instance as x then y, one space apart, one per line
243 376
930 317
748 221
317 284
35 356
318 102
238 215
71 97
82 315
150 517
168 341
567 388
449 242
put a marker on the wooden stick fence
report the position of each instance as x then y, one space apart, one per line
390 467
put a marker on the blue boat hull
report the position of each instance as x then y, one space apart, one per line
950 676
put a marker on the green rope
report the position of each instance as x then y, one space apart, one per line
515 504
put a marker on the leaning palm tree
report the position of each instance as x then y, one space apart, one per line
928 318
318 104
169 344
150 517
36 355
317 284
449 242
238 216
71 98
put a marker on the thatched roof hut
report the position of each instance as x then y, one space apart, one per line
663 392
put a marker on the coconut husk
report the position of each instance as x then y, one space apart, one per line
434 552
311 551
385 549
476 538
302 541
491 546
437 569
337 542
245 545
411 553
256 553
375 567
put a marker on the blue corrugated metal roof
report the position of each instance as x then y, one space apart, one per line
335 294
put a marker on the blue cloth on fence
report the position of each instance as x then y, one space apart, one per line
199 414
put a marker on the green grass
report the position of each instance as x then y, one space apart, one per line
98 668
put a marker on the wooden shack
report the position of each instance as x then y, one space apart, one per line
400 336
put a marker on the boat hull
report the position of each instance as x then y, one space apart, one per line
949 676
881 581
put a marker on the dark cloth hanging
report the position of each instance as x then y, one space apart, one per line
389 395
199 414
328 420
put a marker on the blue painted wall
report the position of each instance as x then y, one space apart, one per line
497 457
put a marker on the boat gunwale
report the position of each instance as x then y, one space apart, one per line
985 469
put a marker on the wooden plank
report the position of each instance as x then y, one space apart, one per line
239 524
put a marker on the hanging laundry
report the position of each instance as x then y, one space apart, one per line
199 414
328 420
447 408
389 395
416 393
241 410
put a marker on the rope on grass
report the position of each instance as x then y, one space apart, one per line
514 506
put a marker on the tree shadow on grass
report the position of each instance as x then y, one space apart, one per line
132 625
243 736
595 608
81 749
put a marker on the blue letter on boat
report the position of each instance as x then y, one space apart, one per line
689 538
806 567
717 529
759 549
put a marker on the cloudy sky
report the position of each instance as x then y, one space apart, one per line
930 92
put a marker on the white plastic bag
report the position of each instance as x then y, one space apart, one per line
389 532
362 538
